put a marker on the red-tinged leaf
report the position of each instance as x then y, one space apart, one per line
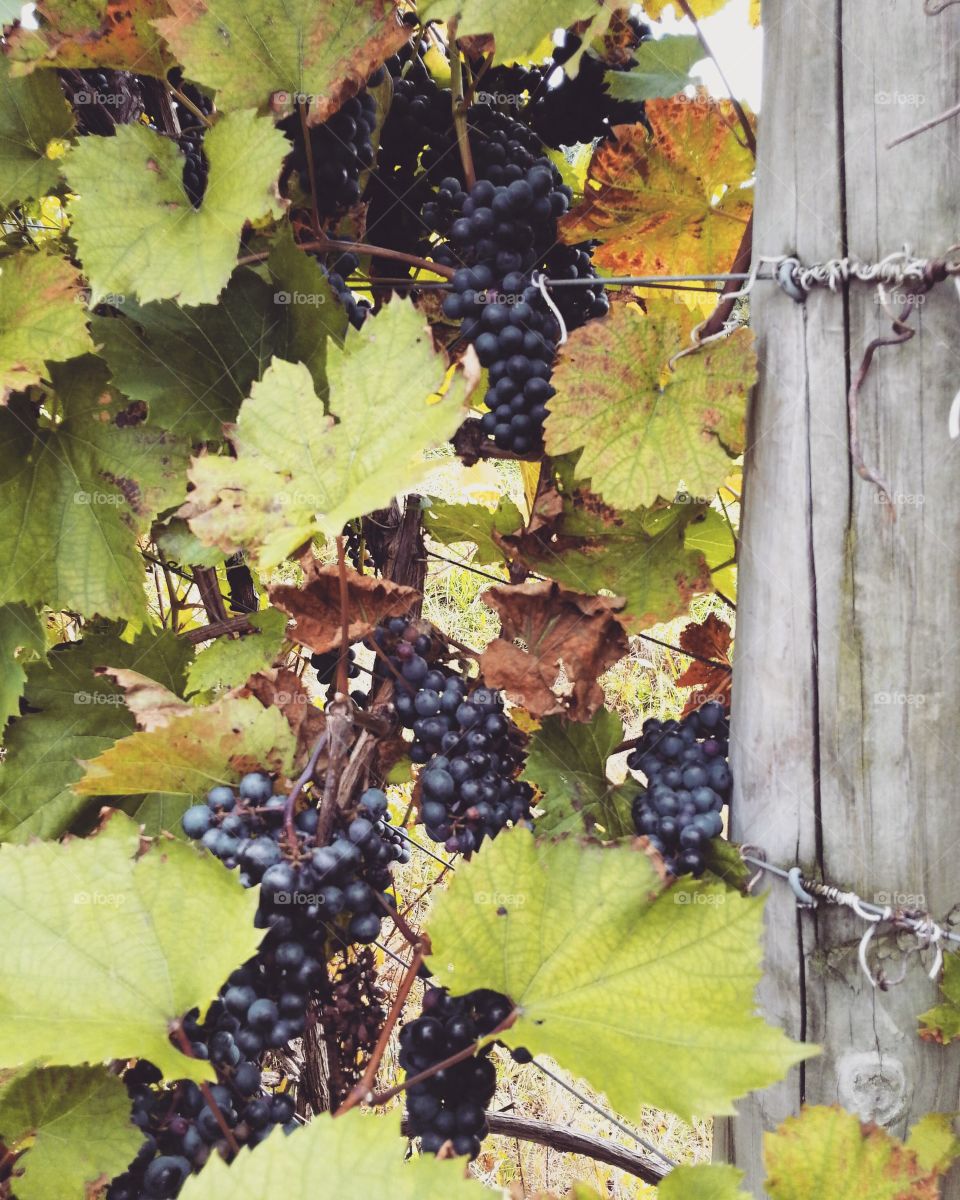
711 639
570 640
120 36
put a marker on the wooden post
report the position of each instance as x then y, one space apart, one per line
847 746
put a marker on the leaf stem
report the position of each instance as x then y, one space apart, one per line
737 106
331 244
459 106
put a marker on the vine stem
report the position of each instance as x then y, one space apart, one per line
415 939
466 1052
425 264
459 106
737 106
188 103
369 1076
308 147
205 1091
298 787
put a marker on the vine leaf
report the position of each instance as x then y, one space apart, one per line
354 1155
706 1181
570 639
311 313
137 232
75 496
567 763
282 689
581 543
699 8
942 1022
934 1141
449 523
710 533
191 753
710 639
73 1123
671 204
228 663
826 1151
151 703
315 607
663 68
33 113
643 436
251 52
20 629
41 320
660 1013
517 34
192 367
73 714
98 33
131 940
297 472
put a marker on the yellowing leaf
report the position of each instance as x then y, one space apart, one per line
829 1152
642 439
699 8
942 1022
706 1181
192 753
73 1124
296 472
93 33
20 628
251 49
755 13
130 939
672 204
41 319
517 28
637 1013
33 112
138 234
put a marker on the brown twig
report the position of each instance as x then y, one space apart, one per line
748 133
329 244
459 106
343 658
364 1087
414 939
741 263
206 633
931 124
305 778
225 1129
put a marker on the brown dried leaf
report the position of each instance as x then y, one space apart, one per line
316 606
711 639
564 631
151 703
280 688
114 35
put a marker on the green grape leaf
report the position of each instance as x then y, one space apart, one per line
229 663
643 438
73 714
828 1152
309 306
73 1122
934 1141
137 233
658 1012
20 629
450 523
275 50
710 534
33 113
518 32
942 1022
354 1155
296 473
663 68
179 545
581 543
567 761
191 753
41 319
706 1181
131 941
75 497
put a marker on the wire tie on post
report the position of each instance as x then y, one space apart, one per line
787 279
804 899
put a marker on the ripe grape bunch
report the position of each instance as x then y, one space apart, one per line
340 150
181 1130
688 782
450 1106
472 752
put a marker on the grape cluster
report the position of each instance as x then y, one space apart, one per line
472 752
340 150
190 141
451 1105
325 666
181 1130
567 109
577 304
688 782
